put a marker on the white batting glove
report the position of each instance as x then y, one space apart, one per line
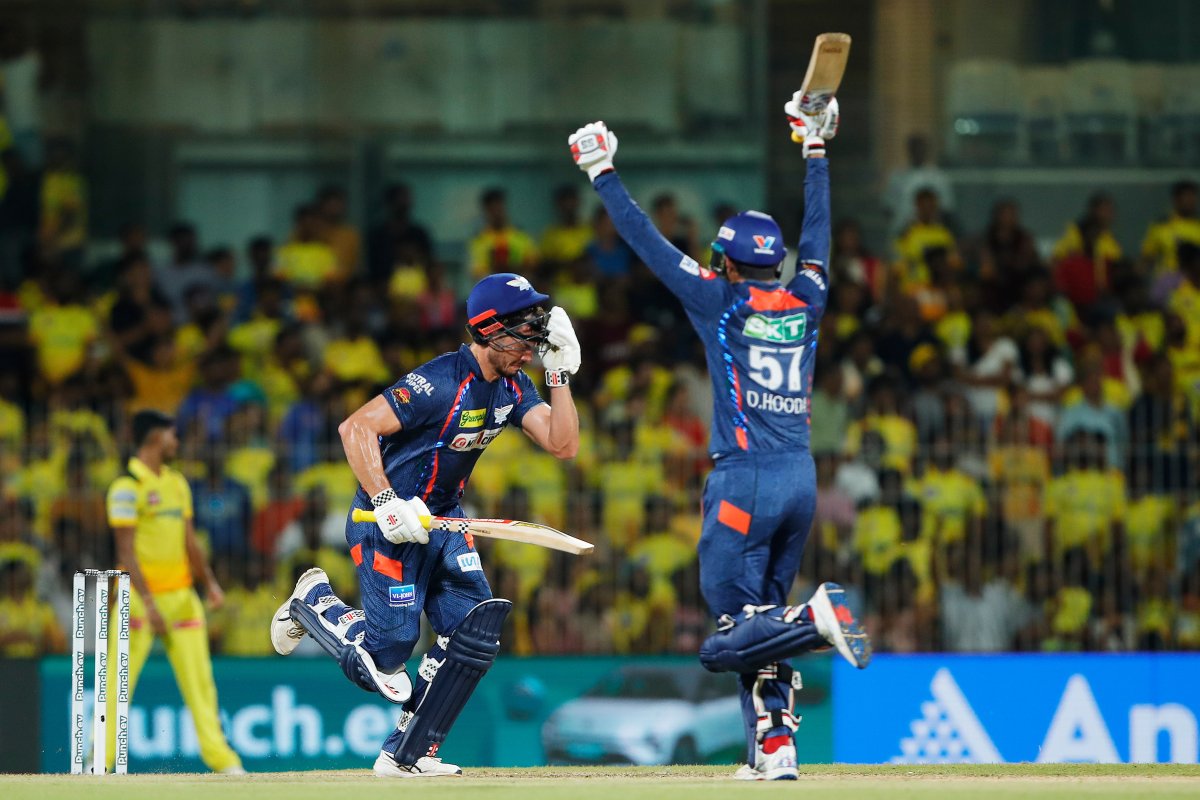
565 355
593 147
812 129
399 520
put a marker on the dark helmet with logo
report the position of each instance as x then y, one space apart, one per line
506 304
751 238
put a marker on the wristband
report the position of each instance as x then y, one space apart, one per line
557 377
386 496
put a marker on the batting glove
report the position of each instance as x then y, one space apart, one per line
565 355
593 147
400 520
812 129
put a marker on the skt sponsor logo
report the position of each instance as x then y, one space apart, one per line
472 418
418 383
777 403
776 329
469 562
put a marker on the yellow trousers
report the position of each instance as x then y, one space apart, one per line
186 644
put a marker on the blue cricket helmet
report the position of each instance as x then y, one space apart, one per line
495 303
752 238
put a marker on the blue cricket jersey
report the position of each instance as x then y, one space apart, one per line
760 337
448 414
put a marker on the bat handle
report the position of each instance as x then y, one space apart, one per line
797 138
362 515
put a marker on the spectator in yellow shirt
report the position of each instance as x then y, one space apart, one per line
1100 207
28 627
250 600
307 262
566 239
354 357
62 331
1185 300
64 216
341 236
499 247
1086 506
883 416
926 234
952 502
1160 247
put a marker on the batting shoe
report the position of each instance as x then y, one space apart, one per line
426 767
778 765
286 632
835 621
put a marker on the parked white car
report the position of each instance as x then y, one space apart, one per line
649 715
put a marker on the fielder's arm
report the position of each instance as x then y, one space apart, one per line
201 568
360 434
127 558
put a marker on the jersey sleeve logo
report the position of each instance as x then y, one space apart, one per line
780 330
502 413
401 395
419 383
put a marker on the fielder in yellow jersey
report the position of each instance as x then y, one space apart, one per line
150 511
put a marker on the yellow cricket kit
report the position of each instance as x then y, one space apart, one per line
157 508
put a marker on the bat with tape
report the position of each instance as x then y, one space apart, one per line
824 76
511 529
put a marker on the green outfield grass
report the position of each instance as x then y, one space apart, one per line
637 783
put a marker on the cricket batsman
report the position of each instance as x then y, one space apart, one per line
150 512
412 450
760 339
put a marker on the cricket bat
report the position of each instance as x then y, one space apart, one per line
511 529
825 70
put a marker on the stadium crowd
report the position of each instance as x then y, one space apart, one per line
1007 444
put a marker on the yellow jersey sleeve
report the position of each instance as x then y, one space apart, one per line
122 502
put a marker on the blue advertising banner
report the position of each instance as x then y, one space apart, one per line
301 713
1004 708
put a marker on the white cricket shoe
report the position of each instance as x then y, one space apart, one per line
835 621
426 767
286 633
777 766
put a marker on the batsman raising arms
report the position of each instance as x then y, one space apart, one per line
760 339
412 450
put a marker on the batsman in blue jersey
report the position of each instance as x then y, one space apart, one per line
412 450
760 340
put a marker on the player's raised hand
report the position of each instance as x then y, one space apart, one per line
593 147
812 129
399 520
565 353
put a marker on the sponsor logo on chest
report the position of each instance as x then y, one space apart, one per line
472 418
474 441
776 329
402 596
